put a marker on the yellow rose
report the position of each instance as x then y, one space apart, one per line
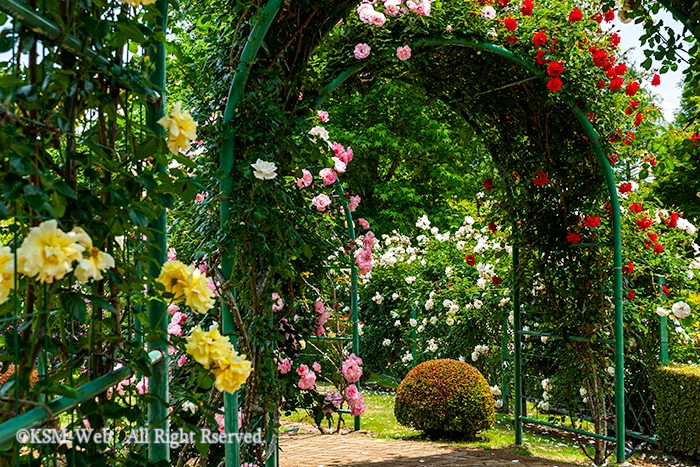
232 373
197 294
181 128
48 252
207 348
174 276
91 266
7 273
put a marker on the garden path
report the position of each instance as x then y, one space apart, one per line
360 449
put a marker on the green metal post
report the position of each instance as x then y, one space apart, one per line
157 314
353 288
414 336
504 360
663 323
518 383
617 280
240 78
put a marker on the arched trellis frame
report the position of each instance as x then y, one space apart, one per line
586 125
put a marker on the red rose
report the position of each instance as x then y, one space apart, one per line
608 208
615 39
555 69
656 80
495 280
541 179
628 268
492 227
488 184
665 290
599 57
573 238
636 208
616 83
503 3
621 69
598 18
634 104
629 138
470 259
625 187
672 220
631 295
539 39
632 88
653 237
658 248
511 24
591 222
609 15
554 84
644 223
527 8
613 159
540 57
638 119
575 15
650 159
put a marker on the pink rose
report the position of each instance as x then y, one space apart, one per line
362 51
317 367
182 361
368 240
323 116
321 202
178 318
333 399
341 153
307 381
280 303
363 223
142 386
219 417
174 329
340 166
199 198
328 176
302 370
172 254
363 260
403 53
354 203
319 307
173 309
203 267
392 7
351 369
305 180
448 28
285 366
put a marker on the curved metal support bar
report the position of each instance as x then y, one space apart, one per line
614 202
53 32
240 78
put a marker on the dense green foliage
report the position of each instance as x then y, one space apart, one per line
445 398
677 392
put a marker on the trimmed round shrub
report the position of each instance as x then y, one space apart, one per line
445 398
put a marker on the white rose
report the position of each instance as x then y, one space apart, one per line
386 342
413 322
264 170
681 310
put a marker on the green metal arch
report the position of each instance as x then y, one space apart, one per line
612 191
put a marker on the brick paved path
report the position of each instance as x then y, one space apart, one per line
360 449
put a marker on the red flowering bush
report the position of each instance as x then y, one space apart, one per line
445 398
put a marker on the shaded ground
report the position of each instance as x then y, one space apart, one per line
311 449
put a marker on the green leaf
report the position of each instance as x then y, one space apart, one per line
64 189
138 217
74 304
9 81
